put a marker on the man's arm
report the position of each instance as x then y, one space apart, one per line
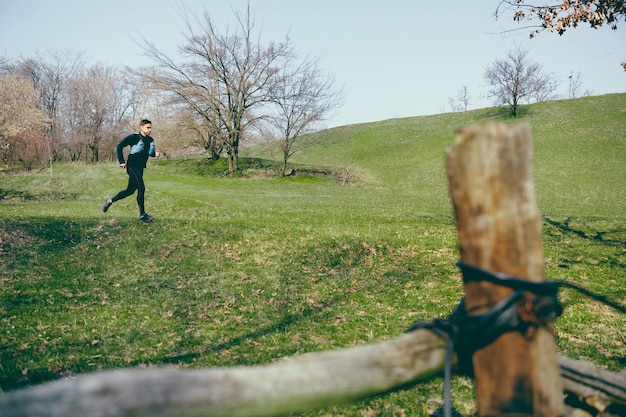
152 149
120 147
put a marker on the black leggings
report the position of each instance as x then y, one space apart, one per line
135 183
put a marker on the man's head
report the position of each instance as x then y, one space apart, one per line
145 127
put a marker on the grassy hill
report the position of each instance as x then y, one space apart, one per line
577 137
241 271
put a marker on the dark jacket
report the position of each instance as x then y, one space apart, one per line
141 147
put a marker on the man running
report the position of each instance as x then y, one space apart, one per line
141 147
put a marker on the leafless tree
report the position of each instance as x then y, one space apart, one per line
462 97
462 100
20 116
97 109
87 107
49 74
574 85
515 80
454 107
303 97
201 132
226 76
30 148
544 87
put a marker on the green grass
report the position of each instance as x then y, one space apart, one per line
245 270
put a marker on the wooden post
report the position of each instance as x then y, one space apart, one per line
490 175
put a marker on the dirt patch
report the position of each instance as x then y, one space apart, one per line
19 196
13 239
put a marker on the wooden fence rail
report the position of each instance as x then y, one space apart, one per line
302 383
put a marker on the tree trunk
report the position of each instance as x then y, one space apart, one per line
499 229
233 164
233 157
285 160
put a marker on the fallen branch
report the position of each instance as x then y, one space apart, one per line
301 383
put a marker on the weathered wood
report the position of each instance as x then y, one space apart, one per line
302 383
490 176
592 386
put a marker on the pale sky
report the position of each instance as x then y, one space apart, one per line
393 58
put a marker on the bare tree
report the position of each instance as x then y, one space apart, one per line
29 148
201 132
574 85
98 109
303 98
454 107
515 80
226 75
87 108
20 114
463 97
49 74
544 87
462 101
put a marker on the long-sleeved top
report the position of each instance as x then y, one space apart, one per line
141 147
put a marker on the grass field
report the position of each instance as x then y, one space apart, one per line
246 270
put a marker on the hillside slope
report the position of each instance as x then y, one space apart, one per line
580 151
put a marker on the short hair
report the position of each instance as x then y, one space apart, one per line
145 122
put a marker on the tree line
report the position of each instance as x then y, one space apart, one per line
225 89
55 107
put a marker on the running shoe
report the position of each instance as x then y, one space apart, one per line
146 218
107 203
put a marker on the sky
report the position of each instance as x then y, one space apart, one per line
392 58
